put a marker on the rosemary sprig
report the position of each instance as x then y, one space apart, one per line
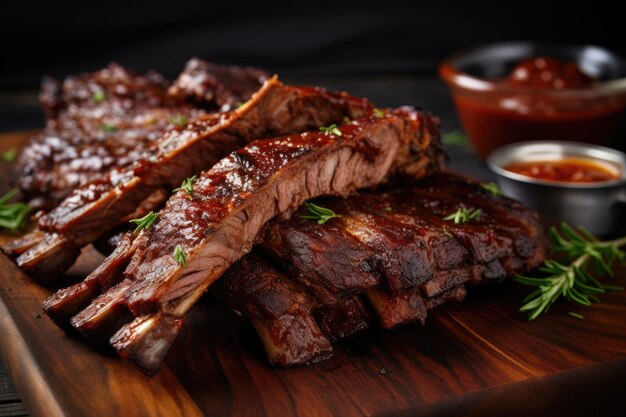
320 214
492 187
332 129
99 96
179 120
187 185
9 155
379 113
12 216
144 222
180 255
463 215
571 278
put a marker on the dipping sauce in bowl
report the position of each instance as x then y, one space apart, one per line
519 91
575 170
581 184
548 73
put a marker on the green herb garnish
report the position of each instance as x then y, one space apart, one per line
379 113
10 155
99 96
332 129
571 278
12 216
492 187
179 120
462 215
456 139
144 222
577 315
187 185
320 214
180 256
105 127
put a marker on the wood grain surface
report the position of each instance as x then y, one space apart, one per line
476 358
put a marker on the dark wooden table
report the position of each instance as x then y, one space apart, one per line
20 111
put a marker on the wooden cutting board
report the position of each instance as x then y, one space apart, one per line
476 358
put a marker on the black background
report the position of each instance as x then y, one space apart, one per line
320 37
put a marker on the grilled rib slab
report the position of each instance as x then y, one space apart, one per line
95 209
220 221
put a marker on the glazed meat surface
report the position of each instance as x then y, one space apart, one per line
96 208
221 219
109 118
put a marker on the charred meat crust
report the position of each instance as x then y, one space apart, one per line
340 280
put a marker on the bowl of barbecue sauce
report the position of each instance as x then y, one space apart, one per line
519 91
579 183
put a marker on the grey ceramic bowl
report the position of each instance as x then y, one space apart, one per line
599 207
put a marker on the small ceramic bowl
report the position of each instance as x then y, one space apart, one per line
600 207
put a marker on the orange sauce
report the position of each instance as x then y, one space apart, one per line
564 170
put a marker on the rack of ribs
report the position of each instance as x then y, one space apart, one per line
388 259
95 209
109 118
139 311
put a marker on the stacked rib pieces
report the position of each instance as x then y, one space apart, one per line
388 259
387 256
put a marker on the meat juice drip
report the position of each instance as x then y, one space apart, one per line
564 170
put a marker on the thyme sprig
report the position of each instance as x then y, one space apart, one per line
108 128
178 120
99 96
320 214
570 278
180 255
379 113
12 216
456 139
332 129
144 222
492 188
463 215
9 155
187 185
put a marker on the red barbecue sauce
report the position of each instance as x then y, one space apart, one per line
502 117
548 73
564 170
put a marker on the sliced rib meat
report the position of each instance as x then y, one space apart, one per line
336 270
230 204
109 118
95 122
93 210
